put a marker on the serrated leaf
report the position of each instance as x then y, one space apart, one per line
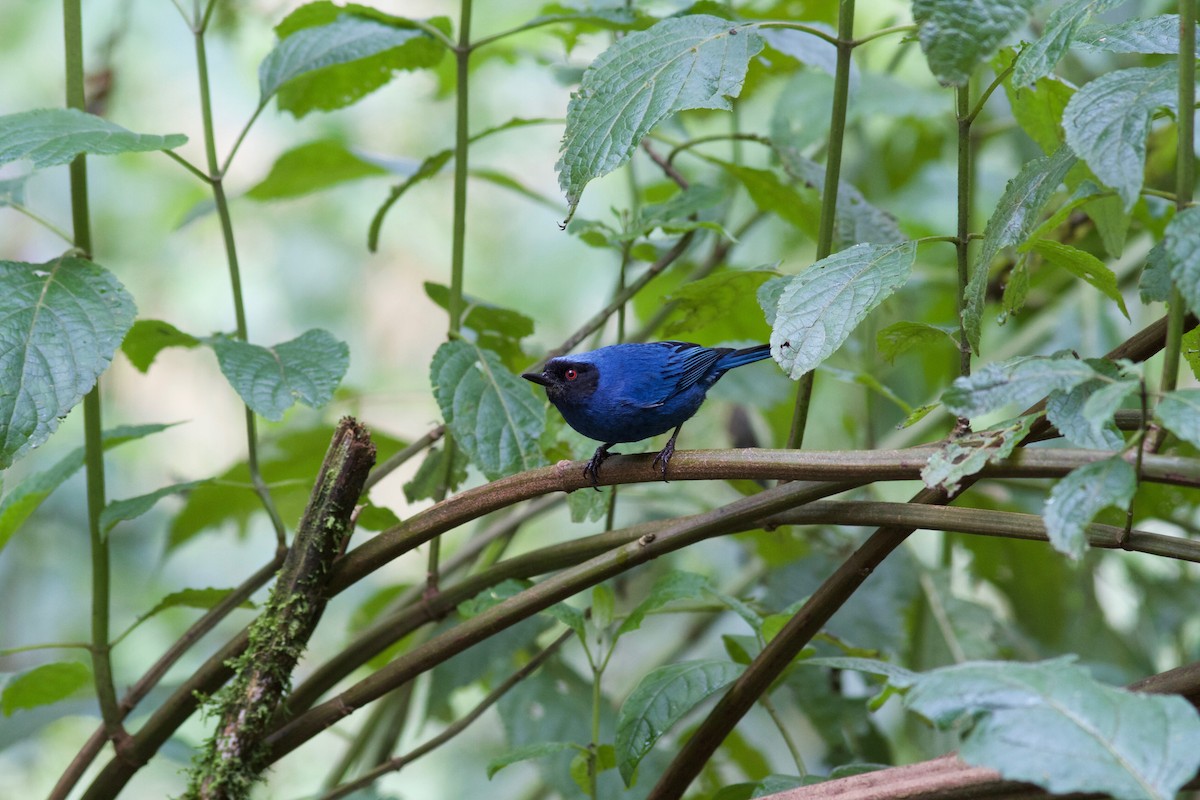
492 413
133 507
1107 121
821 306
965 455
798 205
44 685
1081 495
672 586
53 136
529 751
589 506
857 220
768 296
148 337
1016 215
1019 381
348 38
60 324
1152 35
1180 413
660 700
1083 265
26 496
271 379
701 303
1038 109
1038 59
1190 344
959 35
1181 251
694 61
900 337
311 167
1040 722
1065 409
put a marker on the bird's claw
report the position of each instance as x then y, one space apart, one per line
591 470
664 457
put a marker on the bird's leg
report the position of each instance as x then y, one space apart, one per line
665 454
592 470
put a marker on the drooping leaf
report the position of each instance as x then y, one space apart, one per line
203 599
1065 409
148 337
959 35
582 765
1081 495
133 507
900 337
857 220
319 38
820 307
1151 35
718 297
60 324
311 167
1083 265
1038 59
965 455
674 585
1018 382
798 205
1107 121
1040 722
694 61
1154 284
53 136
44 685
271 379
1015 217
1180 413
494 416
660 700
806 48
483 317
1038 109
527 752
431 475
26 496
1181 251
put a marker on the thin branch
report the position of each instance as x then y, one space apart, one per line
399 459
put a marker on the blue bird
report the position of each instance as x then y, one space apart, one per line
629 392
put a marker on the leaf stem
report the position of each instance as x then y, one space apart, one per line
189 166
717 137
106 692
773 713
829 192
983 98
20 208
800 26
907 28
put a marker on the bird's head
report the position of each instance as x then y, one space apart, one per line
566 380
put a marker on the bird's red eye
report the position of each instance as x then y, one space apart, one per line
570 374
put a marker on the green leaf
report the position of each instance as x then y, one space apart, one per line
492 413
694 61
427 482
1081 495
203 599
857 220
965 455
1152 35
1107 121
60 324
1190 344
1051 724
798 205
427 169
1019 381
820 307
1038 59
662 698
708 301
44 685
53 136
900 337
133 507
806 48
872 666
483 317
959 35
271 380
27 495
672 586
526 753
1178 411
311 167
606 759
1066 409
315 49
148 337
1038 109
1081 264
1154 284
1181 251
1016 215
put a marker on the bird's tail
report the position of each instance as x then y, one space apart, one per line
747 355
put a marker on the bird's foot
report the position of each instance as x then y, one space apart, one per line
591 470
664 457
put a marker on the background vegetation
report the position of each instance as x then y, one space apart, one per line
967 230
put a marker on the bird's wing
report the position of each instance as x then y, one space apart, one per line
687 364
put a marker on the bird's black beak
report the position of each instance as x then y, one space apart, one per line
536 377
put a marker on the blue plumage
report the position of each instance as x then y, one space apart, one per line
629 392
